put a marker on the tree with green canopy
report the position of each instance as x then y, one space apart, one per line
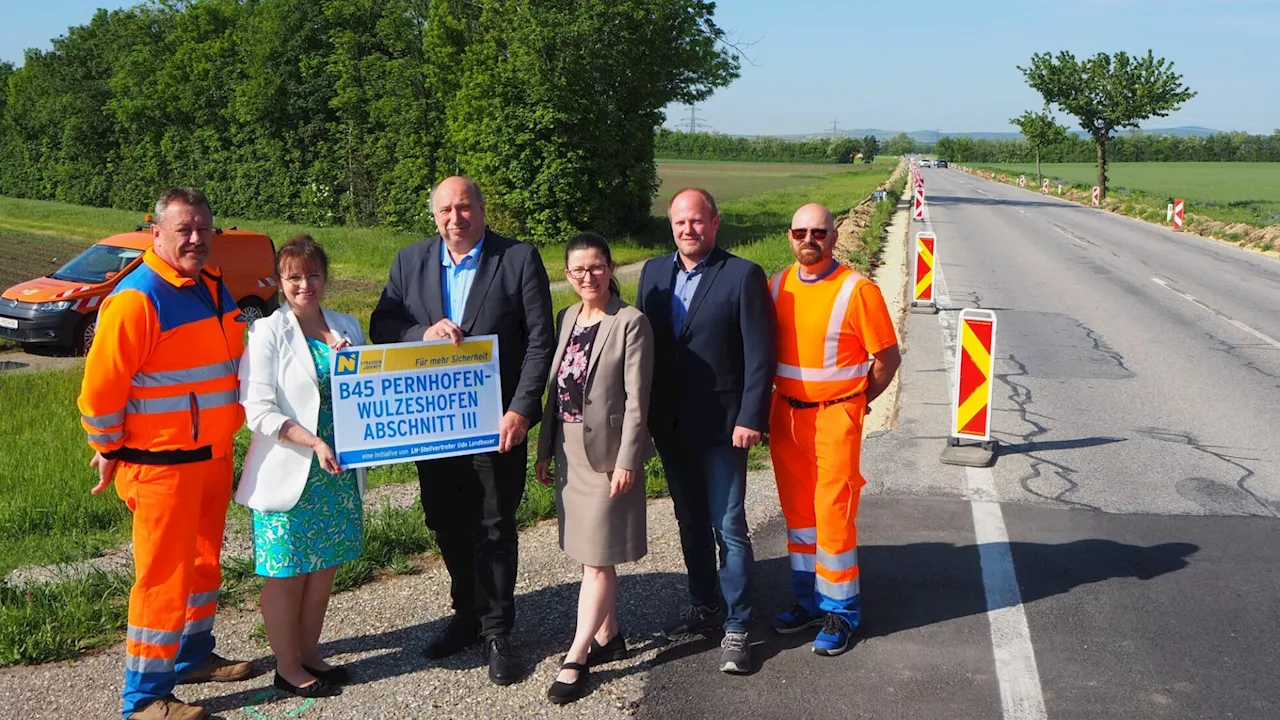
1041 132
1107 92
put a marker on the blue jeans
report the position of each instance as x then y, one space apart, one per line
709 488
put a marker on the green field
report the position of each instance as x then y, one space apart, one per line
47 513
1230 192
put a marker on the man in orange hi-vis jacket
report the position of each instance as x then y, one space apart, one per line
160 404
837 351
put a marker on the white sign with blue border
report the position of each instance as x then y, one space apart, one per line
415 401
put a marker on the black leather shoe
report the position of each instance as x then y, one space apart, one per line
504 669
565 693
597 654
317 689
458 636
333 676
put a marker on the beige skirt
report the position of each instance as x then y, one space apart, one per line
594 529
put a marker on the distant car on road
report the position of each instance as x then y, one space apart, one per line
940 163
924 163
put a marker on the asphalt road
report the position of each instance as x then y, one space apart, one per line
1122 558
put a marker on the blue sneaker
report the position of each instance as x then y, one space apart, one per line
834 637
795 620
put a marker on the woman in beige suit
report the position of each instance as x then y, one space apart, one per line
595 426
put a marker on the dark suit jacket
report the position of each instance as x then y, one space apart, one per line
717 370
510 297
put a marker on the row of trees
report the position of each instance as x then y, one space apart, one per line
325 111
1130 147
680 145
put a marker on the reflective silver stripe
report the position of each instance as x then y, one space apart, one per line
106 438
776 285
804 562
201 599
153 637
189 375
182 403
838 561
803 536
835 323
198 626
104 422
149 665
826 374
837 591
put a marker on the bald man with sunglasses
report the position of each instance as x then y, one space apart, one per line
837 351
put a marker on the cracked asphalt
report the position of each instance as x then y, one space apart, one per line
1137 402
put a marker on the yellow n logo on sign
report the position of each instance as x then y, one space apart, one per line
347 363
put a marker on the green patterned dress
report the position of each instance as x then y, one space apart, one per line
326 527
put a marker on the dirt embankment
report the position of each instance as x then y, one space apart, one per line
851 226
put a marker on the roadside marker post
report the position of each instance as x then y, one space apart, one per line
919 203
1097 195
971 394
1168 214
922 298
1179 211
1044 187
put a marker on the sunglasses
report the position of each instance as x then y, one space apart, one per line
817 233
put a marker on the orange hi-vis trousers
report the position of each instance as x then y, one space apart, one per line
179 512
815 460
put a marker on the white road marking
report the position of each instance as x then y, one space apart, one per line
1021 696
1260 335
1060 231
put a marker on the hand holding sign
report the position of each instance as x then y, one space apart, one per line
446 329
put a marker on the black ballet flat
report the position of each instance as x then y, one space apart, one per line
615 649
317 689
333 676
565 693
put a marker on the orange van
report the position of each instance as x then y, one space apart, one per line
60 309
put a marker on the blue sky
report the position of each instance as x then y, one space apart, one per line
920 65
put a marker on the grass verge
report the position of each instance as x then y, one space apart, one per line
1138 191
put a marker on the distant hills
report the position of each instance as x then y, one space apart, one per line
929 136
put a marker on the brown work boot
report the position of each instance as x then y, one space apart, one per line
219 669
168 708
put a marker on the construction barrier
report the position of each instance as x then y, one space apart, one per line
918 214
1097 196
1044 187
1022 181
922 278
1002 178
975 369
1179 209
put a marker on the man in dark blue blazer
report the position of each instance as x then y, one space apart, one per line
713 327
469 281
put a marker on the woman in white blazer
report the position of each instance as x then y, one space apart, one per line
307 512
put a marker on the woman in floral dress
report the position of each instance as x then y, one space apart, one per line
307 510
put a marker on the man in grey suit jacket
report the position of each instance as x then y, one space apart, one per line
471 281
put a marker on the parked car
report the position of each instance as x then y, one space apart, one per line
940 163
61 309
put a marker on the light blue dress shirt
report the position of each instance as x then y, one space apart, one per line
685 286
456 279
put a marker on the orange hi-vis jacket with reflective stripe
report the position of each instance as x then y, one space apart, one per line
161 373
828 329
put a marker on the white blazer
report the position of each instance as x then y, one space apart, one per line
277 383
